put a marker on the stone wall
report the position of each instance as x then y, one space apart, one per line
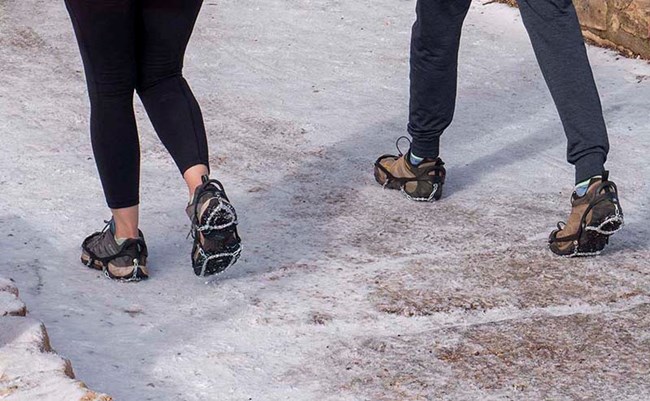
623 25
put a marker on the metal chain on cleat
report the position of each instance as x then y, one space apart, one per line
221 207
429 199
234 256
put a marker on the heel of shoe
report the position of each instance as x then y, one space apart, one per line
138 273
218 247
606 221
217 217
207 264
591 244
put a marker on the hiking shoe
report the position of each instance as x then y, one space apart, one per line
594 217
125 262
217 245
421 183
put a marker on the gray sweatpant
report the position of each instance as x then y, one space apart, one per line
555 34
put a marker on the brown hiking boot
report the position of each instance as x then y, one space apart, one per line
217 245
126 261
594 218
421 183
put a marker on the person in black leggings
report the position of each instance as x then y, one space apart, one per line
139 45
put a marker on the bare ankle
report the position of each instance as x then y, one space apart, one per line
193 178
126 232
125 222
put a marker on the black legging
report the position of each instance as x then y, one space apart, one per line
129 45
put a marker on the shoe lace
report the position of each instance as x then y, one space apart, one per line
103 231
398 141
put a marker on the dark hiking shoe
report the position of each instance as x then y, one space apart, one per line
594 218
421 183
126 262
217 245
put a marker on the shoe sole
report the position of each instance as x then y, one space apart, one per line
595 238
138 274
218 263
226 233
436 194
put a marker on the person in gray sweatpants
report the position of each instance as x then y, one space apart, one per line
557 40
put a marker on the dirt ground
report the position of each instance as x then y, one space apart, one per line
345 291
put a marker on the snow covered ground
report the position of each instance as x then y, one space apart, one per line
345 291
28 367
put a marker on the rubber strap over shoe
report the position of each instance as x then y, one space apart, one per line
610 195
126 245
438 178
217 223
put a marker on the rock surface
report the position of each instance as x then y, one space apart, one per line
29 369
623 25
10 304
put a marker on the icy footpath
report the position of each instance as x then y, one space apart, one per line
345 292
29 369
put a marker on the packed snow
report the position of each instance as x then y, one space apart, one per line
344 291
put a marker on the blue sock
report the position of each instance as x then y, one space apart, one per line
415 160
581 188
